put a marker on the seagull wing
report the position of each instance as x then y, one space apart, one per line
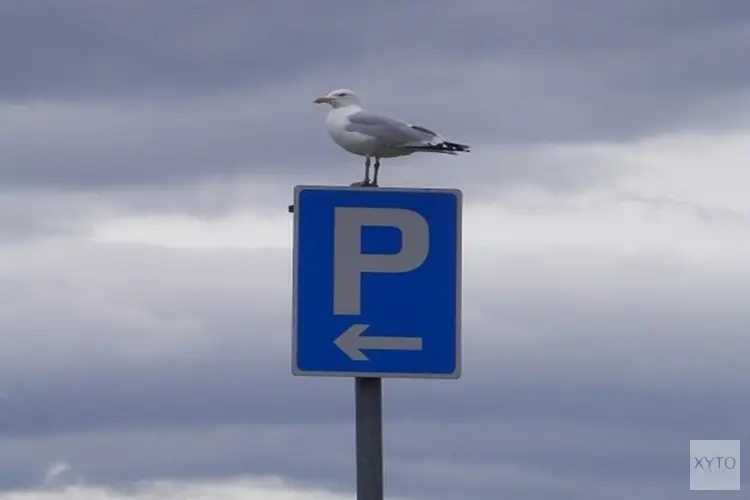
391 132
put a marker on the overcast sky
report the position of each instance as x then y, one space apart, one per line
148 152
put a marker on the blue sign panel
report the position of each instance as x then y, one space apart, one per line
377 282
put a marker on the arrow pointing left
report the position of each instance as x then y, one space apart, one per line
352 343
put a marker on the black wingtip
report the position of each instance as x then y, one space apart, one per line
447 147
455 146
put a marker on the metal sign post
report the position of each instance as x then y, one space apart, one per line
368 396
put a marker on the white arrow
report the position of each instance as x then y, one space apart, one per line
352 343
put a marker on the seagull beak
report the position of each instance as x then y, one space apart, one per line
322 99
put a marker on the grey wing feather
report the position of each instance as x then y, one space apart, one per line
426 131
388 130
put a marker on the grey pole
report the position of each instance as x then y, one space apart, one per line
368 397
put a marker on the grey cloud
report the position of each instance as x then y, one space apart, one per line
39 214
617 371
154 98
423 460
100 146
214 173
708 213
87 48
25 215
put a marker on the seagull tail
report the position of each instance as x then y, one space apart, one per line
444 147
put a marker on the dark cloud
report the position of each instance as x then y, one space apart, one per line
144 94
87 49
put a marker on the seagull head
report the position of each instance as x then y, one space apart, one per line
339 98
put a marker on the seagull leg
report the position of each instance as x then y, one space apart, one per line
377 169
367 172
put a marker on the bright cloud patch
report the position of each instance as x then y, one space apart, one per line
238 489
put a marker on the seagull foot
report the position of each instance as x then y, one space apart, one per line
363 184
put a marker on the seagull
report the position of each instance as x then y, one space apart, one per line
367 134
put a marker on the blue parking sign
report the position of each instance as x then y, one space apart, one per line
377 282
